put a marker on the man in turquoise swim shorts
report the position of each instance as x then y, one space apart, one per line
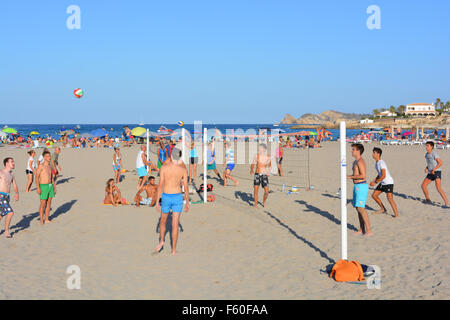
360 189
173 173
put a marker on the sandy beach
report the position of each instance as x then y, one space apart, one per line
227 249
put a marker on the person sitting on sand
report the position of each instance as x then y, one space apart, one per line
433 170
112 194
151 190
360 189
173 173
46 187
386 183
263 164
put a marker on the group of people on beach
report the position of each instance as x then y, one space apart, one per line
172 192
45 172
386 183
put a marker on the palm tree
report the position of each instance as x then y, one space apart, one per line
437 103
392 109
376 111
447 106
401 109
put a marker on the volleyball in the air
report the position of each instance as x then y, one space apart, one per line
78 93
180 123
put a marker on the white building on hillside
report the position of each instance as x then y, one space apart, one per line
420 109
366 120
387 113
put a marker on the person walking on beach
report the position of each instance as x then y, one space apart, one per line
263 164
211 159
55 163
229 161
141 166
6 180
193 155
173 174
385 183
433 170
117 165
360 189
279 158
31 168
162 153
46 187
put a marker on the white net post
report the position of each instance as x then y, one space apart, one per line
148 146
343 191
183 145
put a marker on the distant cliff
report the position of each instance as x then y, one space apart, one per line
327 118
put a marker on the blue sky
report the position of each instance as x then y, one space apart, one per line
221 61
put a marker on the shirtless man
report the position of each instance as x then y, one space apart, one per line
46 187
172 174
360 189
151 190
263 164
6 179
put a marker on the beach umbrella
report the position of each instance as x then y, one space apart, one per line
34 133
312 133
138 131
407 133
10 130
99 132
86 135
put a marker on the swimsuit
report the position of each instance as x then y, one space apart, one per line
360 192
47 191
142 171
5 208
436 175
171 202
261 179
387 188
146 201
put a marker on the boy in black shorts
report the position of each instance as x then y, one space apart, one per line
386 183
433 170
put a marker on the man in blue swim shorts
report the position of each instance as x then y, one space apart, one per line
360 189
173 173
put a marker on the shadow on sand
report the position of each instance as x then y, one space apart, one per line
305 241
324 214
61 181
168 228
25 222
244 196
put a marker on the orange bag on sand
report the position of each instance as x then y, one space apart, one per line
345 270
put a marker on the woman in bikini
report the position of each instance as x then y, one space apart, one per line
117 165
112 194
